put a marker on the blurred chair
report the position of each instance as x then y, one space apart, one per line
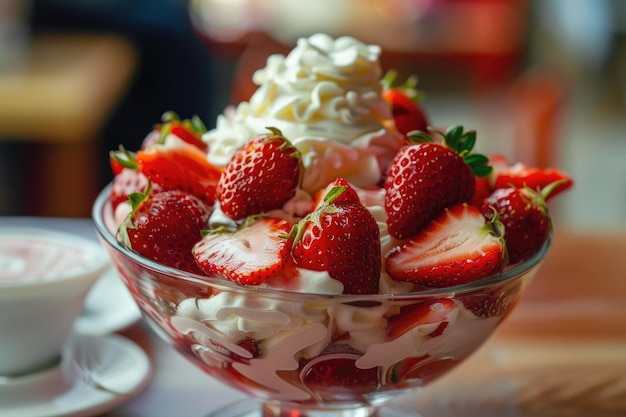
57 107
538 100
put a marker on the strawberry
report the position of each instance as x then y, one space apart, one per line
126 183
164 227
256 251
261 176
525 217
505 175
422 368
485 184
432 311
337 376
456 248
521 175
341 237
177 165
495 302
189 130
426 177
406 108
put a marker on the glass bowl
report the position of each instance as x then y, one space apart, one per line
312 354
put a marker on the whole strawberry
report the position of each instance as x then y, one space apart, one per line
341 237
406 108
164 226
525 217
426 177
261 176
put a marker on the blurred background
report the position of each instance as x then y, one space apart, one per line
542 81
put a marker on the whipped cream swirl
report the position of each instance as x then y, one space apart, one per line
325 97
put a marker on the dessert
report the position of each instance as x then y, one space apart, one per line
324 254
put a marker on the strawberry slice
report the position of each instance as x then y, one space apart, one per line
165 226
261 176
256 251
456 248
177 165
341 237
418 314
405 100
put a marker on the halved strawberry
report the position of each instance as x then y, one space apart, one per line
165 226
456 248
261 176
177 165
525 216
421 313
341 237
406 107
426 177
256 251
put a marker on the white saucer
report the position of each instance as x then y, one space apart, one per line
95 375
109 307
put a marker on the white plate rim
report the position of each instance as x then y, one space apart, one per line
111 384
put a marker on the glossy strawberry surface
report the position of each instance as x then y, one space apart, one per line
341 237
164 226
261 176
525 217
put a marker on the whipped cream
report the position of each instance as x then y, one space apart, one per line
325 97
291 332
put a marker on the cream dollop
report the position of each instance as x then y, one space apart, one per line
325 97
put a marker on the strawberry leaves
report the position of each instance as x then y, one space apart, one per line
461 142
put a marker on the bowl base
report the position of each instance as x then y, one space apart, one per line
255 409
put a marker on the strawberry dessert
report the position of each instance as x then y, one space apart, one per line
329 244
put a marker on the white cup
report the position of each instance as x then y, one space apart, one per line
44 279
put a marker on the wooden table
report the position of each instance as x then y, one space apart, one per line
561 353
68 90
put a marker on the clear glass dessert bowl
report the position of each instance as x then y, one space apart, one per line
310 355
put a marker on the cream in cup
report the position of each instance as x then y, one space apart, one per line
45 276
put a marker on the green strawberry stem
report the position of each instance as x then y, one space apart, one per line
194 125
124 157
135 199
314 217
549 189
409 88
333 193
